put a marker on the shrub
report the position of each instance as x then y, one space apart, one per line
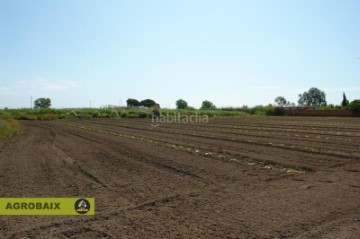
114 114
354 106
84 116
271 110
9 128
73 113
96 114
142 114
257 110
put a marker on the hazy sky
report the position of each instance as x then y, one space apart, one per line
232 53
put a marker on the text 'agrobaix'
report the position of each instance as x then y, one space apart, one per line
33 206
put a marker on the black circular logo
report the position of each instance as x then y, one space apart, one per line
82 206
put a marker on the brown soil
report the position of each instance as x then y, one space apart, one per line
248 177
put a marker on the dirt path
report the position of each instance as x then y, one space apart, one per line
148 188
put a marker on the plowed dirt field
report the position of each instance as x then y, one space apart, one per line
246 177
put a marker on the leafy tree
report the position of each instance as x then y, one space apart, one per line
345 101
207 105
354 106
147 103
42 103
132 102
313 97
181 104
281 101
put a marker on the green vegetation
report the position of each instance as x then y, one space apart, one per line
87 113
132 103
181 104
9 128
147 103
149 108
207 105
42 103
210 113
312 97
273 110
354 106
282 102
345 101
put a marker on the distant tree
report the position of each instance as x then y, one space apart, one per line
313 97
281 101
345 101
147 103
132 102
42 103
354 106
181 104
207 105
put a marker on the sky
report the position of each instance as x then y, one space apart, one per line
232 53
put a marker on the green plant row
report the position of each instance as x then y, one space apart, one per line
87 113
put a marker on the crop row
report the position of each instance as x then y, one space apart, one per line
245 149
307 139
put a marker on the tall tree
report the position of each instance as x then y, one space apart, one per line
42 103
207 105
147 103
354 106
345 101
281 101
132 103
181 104
312 97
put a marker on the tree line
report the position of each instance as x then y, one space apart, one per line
313 97
147 103
205 105
317 98
180 104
